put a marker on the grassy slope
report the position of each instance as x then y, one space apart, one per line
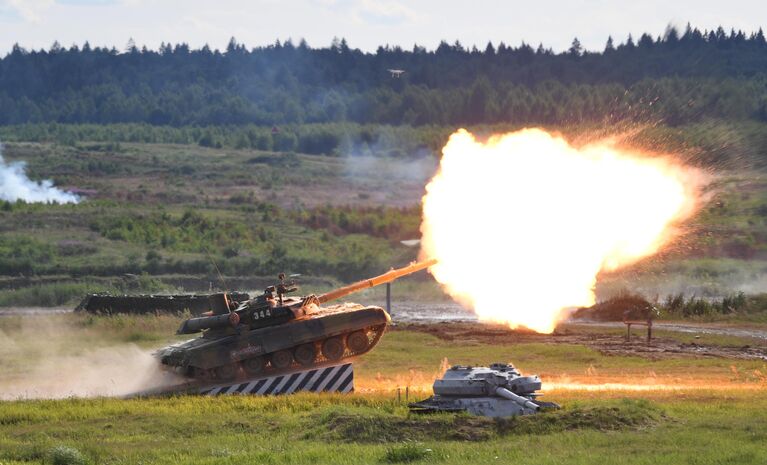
143 182
723 248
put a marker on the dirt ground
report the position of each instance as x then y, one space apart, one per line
608 344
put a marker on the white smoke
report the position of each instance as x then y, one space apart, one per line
54 359
15 185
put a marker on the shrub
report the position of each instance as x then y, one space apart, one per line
64 455
406 453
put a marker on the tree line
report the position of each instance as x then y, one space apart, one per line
678 78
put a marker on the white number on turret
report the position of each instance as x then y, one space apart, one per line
262 314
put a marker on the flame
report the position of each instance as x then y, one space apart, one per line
521 225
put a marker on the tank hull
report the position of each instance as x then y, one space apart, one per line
203 356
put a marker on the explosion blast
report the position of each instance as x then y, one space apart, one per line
522 224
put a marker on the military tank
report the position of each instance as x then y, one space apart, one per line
495 391
274 332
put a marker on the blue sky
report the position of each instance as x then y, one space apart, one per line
365 23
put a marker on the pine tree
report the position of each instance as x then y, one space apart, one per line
232 46
575 49
671 36
759 39
130 47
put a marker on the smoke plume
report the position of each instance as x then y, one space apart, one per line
15 185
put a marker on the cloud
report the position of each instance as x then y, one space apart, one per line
88 2
29 10
375 12
203 25
387 13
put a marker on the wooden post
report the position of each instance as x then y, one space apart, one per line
628 331
649 330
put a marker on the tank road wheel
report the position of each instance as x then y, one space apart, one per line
227 372
305 354
282 359
358 342
254 366
333 348
202 374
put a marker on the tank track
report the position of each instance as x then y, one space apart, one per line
374 336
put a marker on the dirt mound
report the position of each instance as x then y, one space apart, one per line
629 307
374 428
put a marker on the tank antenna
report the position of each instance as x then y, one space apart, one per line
220 276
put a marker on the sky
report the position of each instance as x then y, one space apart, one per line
365 24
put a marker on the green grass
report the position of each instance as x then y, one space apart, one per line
354 429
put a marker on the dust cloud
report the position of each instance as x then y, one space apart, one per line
39 360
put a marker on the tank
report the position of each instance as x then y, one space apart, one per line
495 391
275 332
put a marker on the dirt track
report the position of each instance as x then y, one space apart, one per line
30 311
439 312
608 344
450 321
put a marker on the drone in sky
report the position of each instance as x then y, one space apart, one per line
396 73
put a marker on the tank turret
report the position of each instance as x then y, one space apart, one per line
274 331
495 391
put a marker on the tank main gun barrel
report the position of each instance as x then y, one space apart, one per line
506 394
387 277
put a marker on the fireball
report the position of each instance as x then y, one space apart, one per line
521 225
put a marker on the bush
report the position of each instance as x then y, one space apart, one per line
406 453
678 305
64 455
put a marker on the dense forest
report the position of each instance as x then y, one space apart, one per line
680 78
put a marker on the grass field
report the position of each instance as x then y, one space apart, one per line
608 427
716 413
